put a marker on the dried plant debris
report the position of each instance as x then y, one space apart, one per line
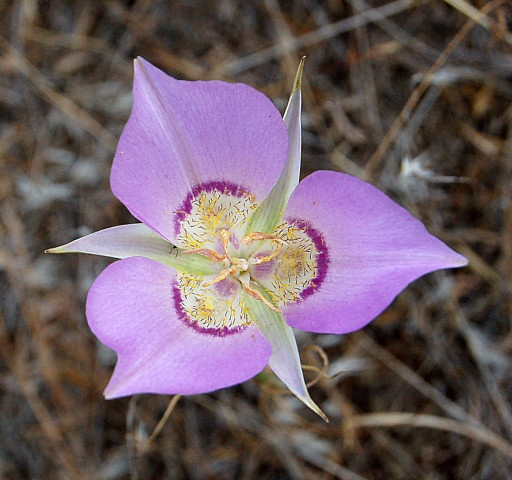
414 98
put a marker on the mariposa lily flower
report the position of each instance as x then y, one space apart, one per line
233 251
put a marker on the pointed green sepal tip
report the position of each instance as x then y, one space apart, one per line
137 240
285 360
308 401
297 83
60 249
315 408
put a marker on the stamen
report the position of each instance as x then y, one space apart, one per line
266 258
225 235
256 236
222 275
258 296
207 252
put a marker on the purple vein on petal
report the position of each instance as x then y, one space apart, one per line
169 123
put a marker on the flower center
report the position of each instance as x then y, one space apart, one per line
284 266
238 265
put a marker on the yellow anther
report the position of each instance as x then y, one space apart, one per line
225 235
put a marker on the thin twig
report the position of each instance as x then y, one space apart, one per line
398 419
319 35
409 106
62 102
174 401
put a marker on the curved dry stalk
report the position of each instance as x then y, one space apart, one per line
398 419
172 404
320 372
416 95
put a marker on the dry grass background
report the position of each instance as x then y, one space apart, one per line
414 96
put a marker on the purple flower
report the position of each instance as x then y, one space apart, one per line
232 250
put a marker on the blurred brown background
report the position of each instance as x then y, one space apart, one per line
411 95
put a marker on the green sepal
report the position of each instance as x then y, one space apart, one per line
269 213
285 360
137 240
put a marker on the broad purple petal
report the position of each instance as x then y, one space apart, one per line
130 308
375 248
181 134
